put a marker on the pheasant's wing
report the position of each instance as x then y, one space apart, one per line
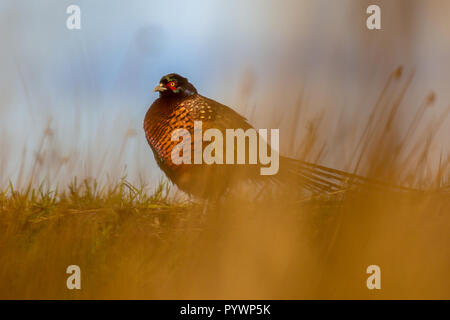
215 115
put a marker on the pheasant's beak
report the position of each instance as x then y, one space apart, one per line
159 88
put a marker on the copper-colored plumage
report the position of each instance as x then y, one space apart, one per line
168 114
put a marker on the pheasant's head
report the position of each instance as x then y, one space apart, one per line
174 85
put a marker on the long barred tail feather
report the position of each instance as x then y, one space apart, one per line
321 179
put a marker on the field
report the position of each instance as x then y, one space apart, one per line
143 242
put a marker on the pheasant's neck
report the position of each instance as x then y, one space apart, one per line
164 106
175 97
172 101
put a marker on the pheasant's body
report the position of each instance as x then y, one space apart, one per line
179 105
167 115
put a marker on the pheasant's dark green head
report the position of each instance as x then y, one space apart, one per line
174 85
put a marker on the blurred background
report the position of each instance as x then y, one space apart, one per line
72 102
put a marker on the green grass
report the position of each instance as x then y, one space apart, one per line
86 195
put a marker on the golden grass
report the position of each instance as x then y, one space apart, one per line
132 242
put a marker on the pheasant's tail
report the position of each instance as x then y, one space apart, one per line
321 179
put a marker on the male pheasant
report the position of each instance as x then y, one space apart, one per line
179 105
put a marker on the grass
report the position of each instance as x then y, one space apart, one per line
143 242
133 246
83 214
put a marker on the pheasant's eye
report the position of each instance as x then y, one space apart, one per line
172 84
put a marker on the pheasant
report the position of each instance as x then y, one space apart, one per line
179 105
